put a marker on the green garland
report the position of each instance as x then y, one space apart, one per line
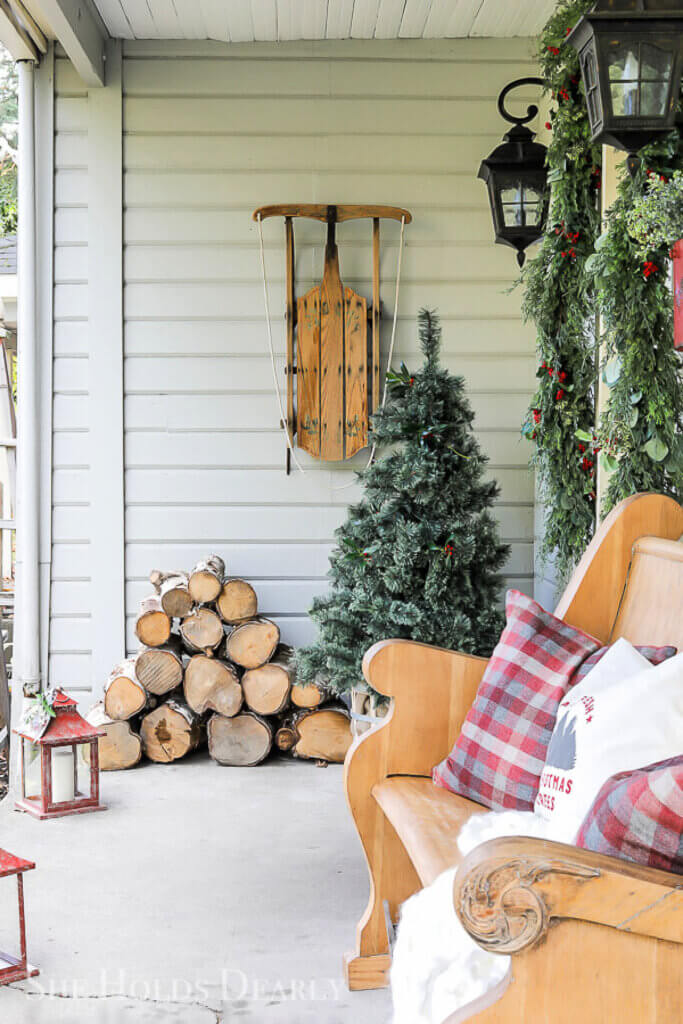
559 298
639 437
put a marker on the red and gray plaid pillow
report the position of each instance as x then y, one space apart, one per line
638 816
500 753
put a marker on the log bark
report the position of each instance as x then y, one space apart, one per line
206 579
242 741
124 694
252 643
323 734
160 669
173 590
267 688
153 625
308 695
202 631
170 732
237 601
212 685
120 748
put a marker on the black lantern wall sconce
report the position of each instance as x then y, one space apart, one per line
516 176
631 57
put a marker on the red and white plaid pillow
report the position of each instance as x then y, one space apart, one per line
638 816
500 753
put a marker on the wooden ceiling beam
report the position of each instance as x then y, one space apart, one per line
80 32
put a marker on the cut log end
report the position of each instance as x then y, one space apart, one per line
266 689
212 685
308 695
323 734
170 732
124 694
119 748
160 669
237 601
206 580
153 626
243 741
252 643
202 630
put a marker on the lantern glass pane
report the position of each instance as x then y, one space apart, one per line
624 99
653 99
512 194
589 70
513 216
623 63
32 775
656 63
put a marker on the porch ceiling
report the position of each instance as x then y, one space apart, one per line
240 21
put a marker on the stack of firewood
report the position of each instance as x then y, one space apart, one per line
211 669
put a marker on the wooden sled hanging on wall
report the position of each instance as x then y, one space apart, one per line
329 355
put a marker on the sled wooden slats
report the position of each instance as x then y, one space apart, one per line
374 366
308 376
332 366
331 361
356 377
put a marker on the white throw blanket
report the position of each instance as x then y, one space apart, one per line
439 975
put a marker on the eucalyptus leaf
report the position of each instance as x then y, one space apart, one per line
633 417
583 435
656 449
566 501
612 371
636 397
602 240
608 462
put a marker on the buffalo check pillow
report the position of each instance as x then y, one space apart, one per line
639 816
501 750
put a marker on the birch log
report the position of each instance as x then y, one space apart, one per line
170 731
323 734
174 593
119 748
212 685
237 601
153 626
206 579
124 694
308 695
252 643
242 741
160 669
202 631
267 688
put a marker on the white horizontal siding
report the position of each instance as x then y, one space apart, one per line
70 641
206 141
211 132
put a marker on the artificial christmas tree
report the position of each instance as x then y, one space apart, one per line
418 557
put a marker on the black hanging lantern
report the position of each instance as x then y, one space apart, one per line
516 175
630 52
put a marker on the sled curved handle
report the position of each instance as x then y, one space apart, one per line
320 211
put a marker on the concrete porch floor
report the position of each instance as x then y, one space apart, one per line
203 895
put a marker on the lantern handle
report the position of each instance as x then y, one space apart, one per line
532 109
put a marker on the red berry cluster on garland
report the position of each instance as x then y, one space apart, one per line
649 268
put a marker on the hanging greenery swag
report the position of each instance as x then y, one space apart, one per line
559 297
577 274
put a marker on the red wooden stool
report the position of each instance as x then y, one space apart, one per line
12 969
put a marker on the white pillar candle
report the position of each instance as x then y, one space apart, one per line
62 775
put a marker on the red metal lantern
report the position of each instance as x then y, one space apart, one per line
11 967
677 253
54 793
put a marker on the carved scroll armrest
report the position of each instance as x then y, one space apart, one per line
507 892
433 689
